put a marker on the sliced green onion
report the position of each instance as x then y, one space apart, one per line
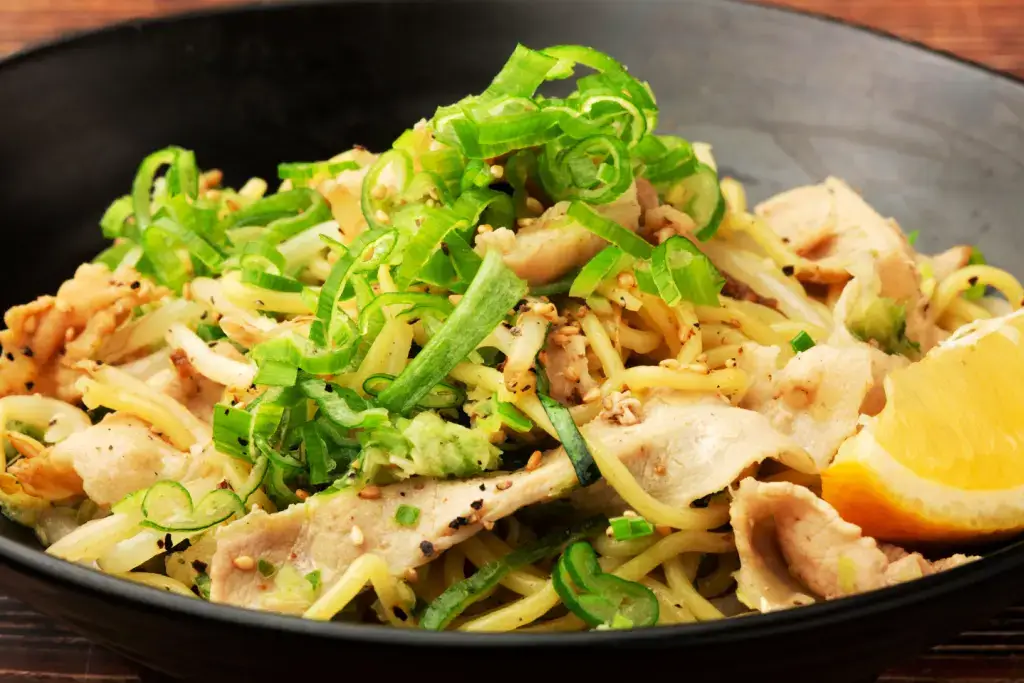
275 374
609 230
522 74
314 579
407 515
560 286
628 528
352 260
111 257
599 598
142 186
494 291
231 431
572 441
666 159
113 221
266 568
341 405
275 283
493 207
419 305
699 196
681 271
608 262
596 169
587 56
465 261
913 236
801 342
319 463
435 227
401 164
168 507
298 170
459 596
209 332
512 416
441 395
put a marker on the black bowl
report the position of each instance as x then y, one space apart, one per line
786 99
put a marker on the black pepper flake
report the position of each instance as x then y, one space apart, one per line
9 355
328 388
224 484
182 547
477 504
199 566
195 589
973 281
400 613
160 543
259 303
227 411
402 494
244 443
482 487
29 385
28 352
788 270
458 523
427 548
136 284
168 541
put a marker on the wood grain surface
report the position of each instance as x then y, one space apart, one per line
990 32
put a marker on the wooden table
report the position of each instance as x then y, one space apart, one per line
991 32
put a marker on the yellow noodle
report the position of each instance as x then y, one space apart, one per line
728 381
429 583
960 312
753 309
670 546
95 394
258 298
158 581
757 330
682 586
641 341
515 580
516 614
368 568
720 580
659 317
951 287
691 339
716 334
602 345
454 566
610 547
625 484
716 357
670 609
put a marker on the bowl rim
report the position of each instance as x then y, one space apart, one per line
69 575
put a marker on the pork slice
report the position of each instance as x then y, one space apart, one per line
695 448
553 245
818 398
794 549
106 462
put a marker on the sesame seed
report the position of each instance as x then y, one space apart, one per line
379 192
382 217
504 485
370 492
533 205
534 461
497 171
356 535
411 575
592 395
525 222
626 280
629 513
484 228
244 563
